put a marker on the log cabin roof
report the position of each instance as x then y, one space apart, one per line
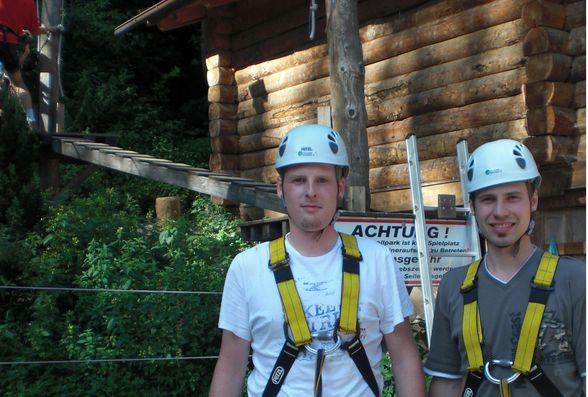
171 14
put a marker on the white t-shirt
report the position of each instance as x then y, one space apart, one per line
252 310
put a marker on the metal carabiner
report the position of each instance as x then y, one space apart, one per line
326 351
500 363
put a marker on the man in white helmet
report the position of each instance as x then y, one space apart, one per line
315 306
514 323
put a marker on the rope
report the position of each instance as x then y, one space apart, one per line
140 291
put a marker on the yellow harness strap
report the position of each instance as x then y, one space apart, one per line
472 328
350 289
293 310
542 286
279 264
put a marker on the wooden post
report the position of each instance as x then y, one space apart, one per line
49 75
167 208
347 80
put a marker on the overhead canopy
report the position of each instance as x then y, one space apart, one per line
171 14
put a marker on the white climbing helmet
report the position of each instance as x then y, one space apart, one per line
312 144
498 162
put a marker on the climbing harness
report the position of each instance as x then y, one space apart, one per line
541 286
295 320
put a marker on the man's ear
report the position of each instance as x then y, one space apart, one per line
341 192
534 201
279 187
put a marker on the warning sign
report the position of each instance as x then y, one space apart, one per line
399 235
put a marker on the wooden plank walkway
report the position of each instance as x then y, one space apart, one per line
242 190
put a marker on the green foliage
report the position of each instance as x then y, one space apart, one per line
20 201
106 243
420 336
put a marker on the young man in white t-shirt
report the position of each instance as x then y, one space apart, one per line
312 165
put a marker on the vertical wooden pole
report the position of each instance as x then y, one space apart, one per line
347 78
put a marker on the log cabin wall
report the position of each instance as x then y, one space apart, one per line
444 70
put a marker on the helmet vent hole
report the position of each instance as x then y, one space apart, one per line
334 147
519 158
281 150
521 162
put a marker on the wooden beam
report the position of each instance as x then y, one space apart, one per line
549 66
182 175
542 39
470 116
181 17
544 13
548 93
551 120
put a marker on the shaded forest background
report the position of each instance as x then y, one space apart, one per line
85 336
149 89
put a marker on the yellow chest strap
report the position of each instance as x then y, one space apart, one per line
472 328
293 310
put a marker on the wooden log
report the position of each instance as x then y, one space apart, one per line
225 144
396 23
400 200
548 93
416 16
485 88
220 76
578 72
577 42
444 145
452 26
258 12
219 162
571 198
437 170
543 13
550 149
220 127
378 94
267 139
222 93
580 145
297 113
542 39
581 121
258 159
496 37
552 120
275 25
470 116
221 111
220 58
217 42
286 97
261 70
167 208
266 174
277 46
575 14
548 66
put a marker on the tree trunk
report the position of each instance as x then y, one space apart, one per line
347 96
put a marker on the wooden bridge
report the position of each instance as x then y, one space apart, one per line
242 190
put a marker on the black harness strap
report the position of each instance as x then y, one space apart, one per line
542 384
281 368
357 353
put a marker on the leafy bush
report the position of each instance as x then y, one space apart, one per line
105 243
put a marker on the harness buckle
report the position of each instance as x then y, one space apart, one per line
499 363
275 266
